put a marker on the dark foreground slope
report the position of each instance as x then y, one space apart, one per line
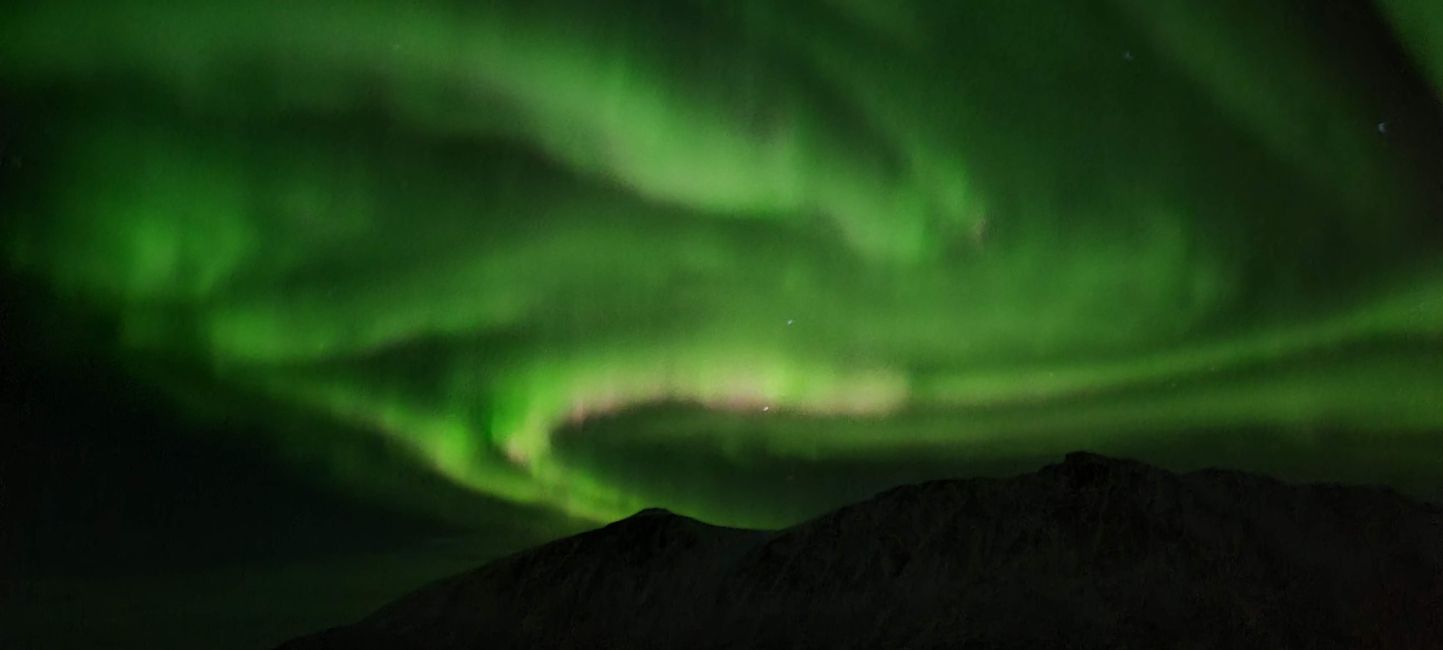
1093 552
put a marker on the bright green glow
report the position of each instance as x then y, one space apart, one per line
839 230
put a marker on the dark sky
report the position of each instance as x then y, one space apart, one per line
347 295
127 523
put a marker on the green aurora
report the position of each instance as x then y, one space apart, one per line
591 256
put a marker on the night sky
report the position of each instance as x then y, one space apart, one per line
305 279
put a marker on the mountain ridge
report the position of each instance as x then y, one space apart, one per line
1090 552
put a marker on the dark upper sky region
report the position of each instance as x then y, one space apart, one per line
320 280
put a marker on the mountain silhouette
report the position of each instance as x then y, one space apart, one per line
1093 552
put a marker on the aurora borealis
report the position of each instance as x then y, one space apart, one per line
594 256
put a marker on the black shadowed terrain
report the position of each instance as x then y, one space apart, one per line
1094 552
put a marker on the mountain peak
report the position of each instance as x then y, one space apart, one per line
653 513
